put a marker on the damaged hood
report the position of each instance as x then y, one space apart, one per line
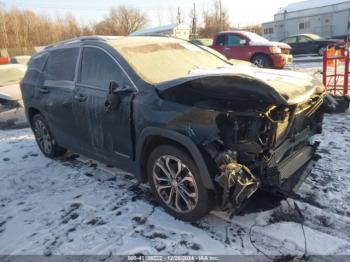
242 82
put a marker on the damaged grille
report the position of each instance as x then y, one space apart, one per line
285 51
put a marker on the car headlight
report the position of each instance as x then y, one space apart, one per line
275 50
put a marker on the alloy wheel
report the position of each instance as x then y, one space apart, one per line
43 136
175 184
259 62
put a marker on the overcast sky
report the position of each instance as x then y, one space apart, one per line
158 11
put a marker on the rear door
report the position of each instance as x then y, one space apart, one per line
56 89
104 131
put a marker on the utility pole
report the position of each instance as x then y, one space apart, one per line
194 22
178 18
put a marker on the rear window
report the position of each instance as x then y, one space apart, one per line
61 64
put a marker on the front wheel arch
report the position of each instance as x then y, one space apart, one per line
152 137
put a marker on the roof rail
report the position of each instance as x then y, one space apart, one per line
77 39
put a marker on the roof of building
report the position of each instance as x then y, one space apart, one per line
308 4
160 29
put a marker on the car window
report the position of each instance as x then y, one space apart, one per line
234 40
98 68
304 39
290 40
61 64
220 40
38 61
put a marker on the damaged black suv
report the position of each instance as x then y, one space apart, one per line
202 132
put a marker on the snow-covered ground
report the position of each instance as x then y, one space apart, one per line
76 206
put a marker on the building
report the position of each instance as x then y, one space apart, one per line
327 18
176 30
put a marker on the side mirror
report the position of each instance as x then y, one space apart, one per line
115 88
243 42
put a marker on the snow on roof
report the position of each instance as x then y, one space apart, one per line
160 29
308 4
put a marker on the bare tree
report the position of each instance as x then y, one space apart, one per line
3 30
215 19
121 21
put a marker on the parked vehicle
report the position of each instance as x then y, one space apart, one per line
11 74
254 48
201 132
310 44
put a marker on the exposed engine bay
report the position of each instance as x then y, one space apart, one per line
264 149
262 141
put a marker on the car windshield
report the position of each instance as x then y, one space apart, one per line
159 59
256 38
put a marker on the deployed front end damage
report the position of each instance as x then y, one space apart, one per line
237 181
262 142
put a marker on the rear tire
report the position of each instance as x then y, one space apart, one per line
44 138
261 61
320 50
177 185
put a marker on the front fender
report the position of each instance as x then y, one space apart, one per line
179 138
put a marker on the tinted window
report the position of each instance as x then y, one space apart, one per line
220 40
98 68
290 40
61 64
234 40
304 39
38 61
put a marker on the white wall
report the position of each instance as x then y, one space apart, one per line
333 23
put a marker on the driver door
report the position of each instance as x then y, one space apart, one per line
104 130
306 45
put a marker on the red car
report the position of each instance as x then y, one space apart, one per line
254 48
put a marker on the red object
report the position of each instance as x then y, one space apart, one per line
4 60
336 71
248 46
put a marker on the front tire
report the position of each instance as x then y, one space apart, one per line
44 138
176 184
261 61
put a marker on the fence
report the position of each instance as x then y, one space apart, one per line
336 71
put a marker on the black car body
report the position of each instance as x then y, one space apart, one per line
213 134
311 44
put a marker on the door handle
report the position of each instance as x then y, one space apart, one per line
227 48
80 98
43 89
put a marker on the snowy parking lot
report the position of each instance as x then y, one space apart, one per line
74 206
